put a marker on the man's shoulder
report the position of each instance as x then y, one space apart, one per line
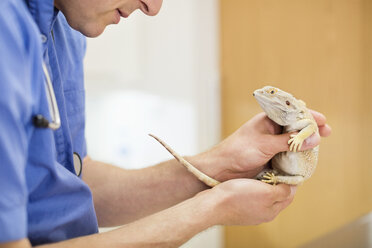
10 4
13 9
16 25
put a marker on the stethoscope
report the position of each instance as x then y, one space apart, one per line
41 122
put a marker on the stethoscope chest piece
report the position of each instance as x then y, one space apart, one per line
78 164
40 121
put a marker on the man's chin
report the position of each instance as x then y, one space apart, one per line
92 32
89 30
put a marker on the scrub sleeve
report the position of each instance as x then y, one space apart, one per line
17 98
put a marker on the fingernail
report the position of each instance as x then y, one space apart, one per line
312 140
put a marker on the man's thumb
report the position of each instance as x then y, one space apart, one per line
279 142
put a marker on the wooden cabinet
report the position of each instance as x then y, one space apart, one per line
321 51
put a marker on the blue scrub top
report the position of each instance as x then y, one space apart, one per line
41 197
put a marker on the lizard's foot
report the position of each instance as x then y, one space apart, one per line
295 143
270 178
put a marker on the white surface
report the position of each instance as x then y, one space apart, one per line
161 75
211 238
354 234
124 120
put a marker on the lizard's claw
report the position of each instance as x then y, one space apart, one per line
295 143
269 178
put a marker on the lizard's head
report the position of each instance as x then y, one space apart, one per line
280 106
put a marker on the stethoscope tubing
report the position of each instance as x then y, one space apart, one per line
39 120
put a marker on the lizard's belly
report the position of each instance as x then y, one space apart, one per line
296 163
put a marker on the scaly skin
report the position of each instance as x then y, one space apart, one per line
295 166
291 167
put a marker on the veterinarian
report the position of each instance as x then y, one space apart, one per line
52 193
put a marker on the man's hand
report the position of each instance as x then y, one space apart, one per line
24 243
129 194
236 202
244 153
250 202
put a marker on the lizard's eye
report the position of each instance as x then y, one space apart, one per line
271 91
288 103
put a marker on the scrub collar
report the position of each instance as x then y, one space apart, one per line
44 13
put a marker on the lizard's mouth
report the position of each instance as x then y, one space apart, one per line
263 102
260 97
271 107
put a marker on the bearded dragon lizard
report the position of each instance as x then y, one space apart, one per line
295 166
292 167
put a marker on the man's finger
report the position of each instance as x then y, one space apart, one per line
319 117
279 143
311 142
279 206
283 192
325 130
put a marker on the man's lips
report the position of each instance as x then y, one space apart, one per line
123 14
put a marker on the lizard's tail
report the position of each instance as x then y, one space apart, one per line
200 175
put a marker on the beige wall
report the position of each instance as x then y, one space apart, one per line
319 50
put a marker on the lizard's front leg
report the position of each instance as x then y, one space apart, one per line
297 140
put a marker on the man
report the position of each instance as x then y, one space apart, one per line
45 200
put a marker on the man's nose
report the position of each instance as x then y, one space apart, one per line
151 7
